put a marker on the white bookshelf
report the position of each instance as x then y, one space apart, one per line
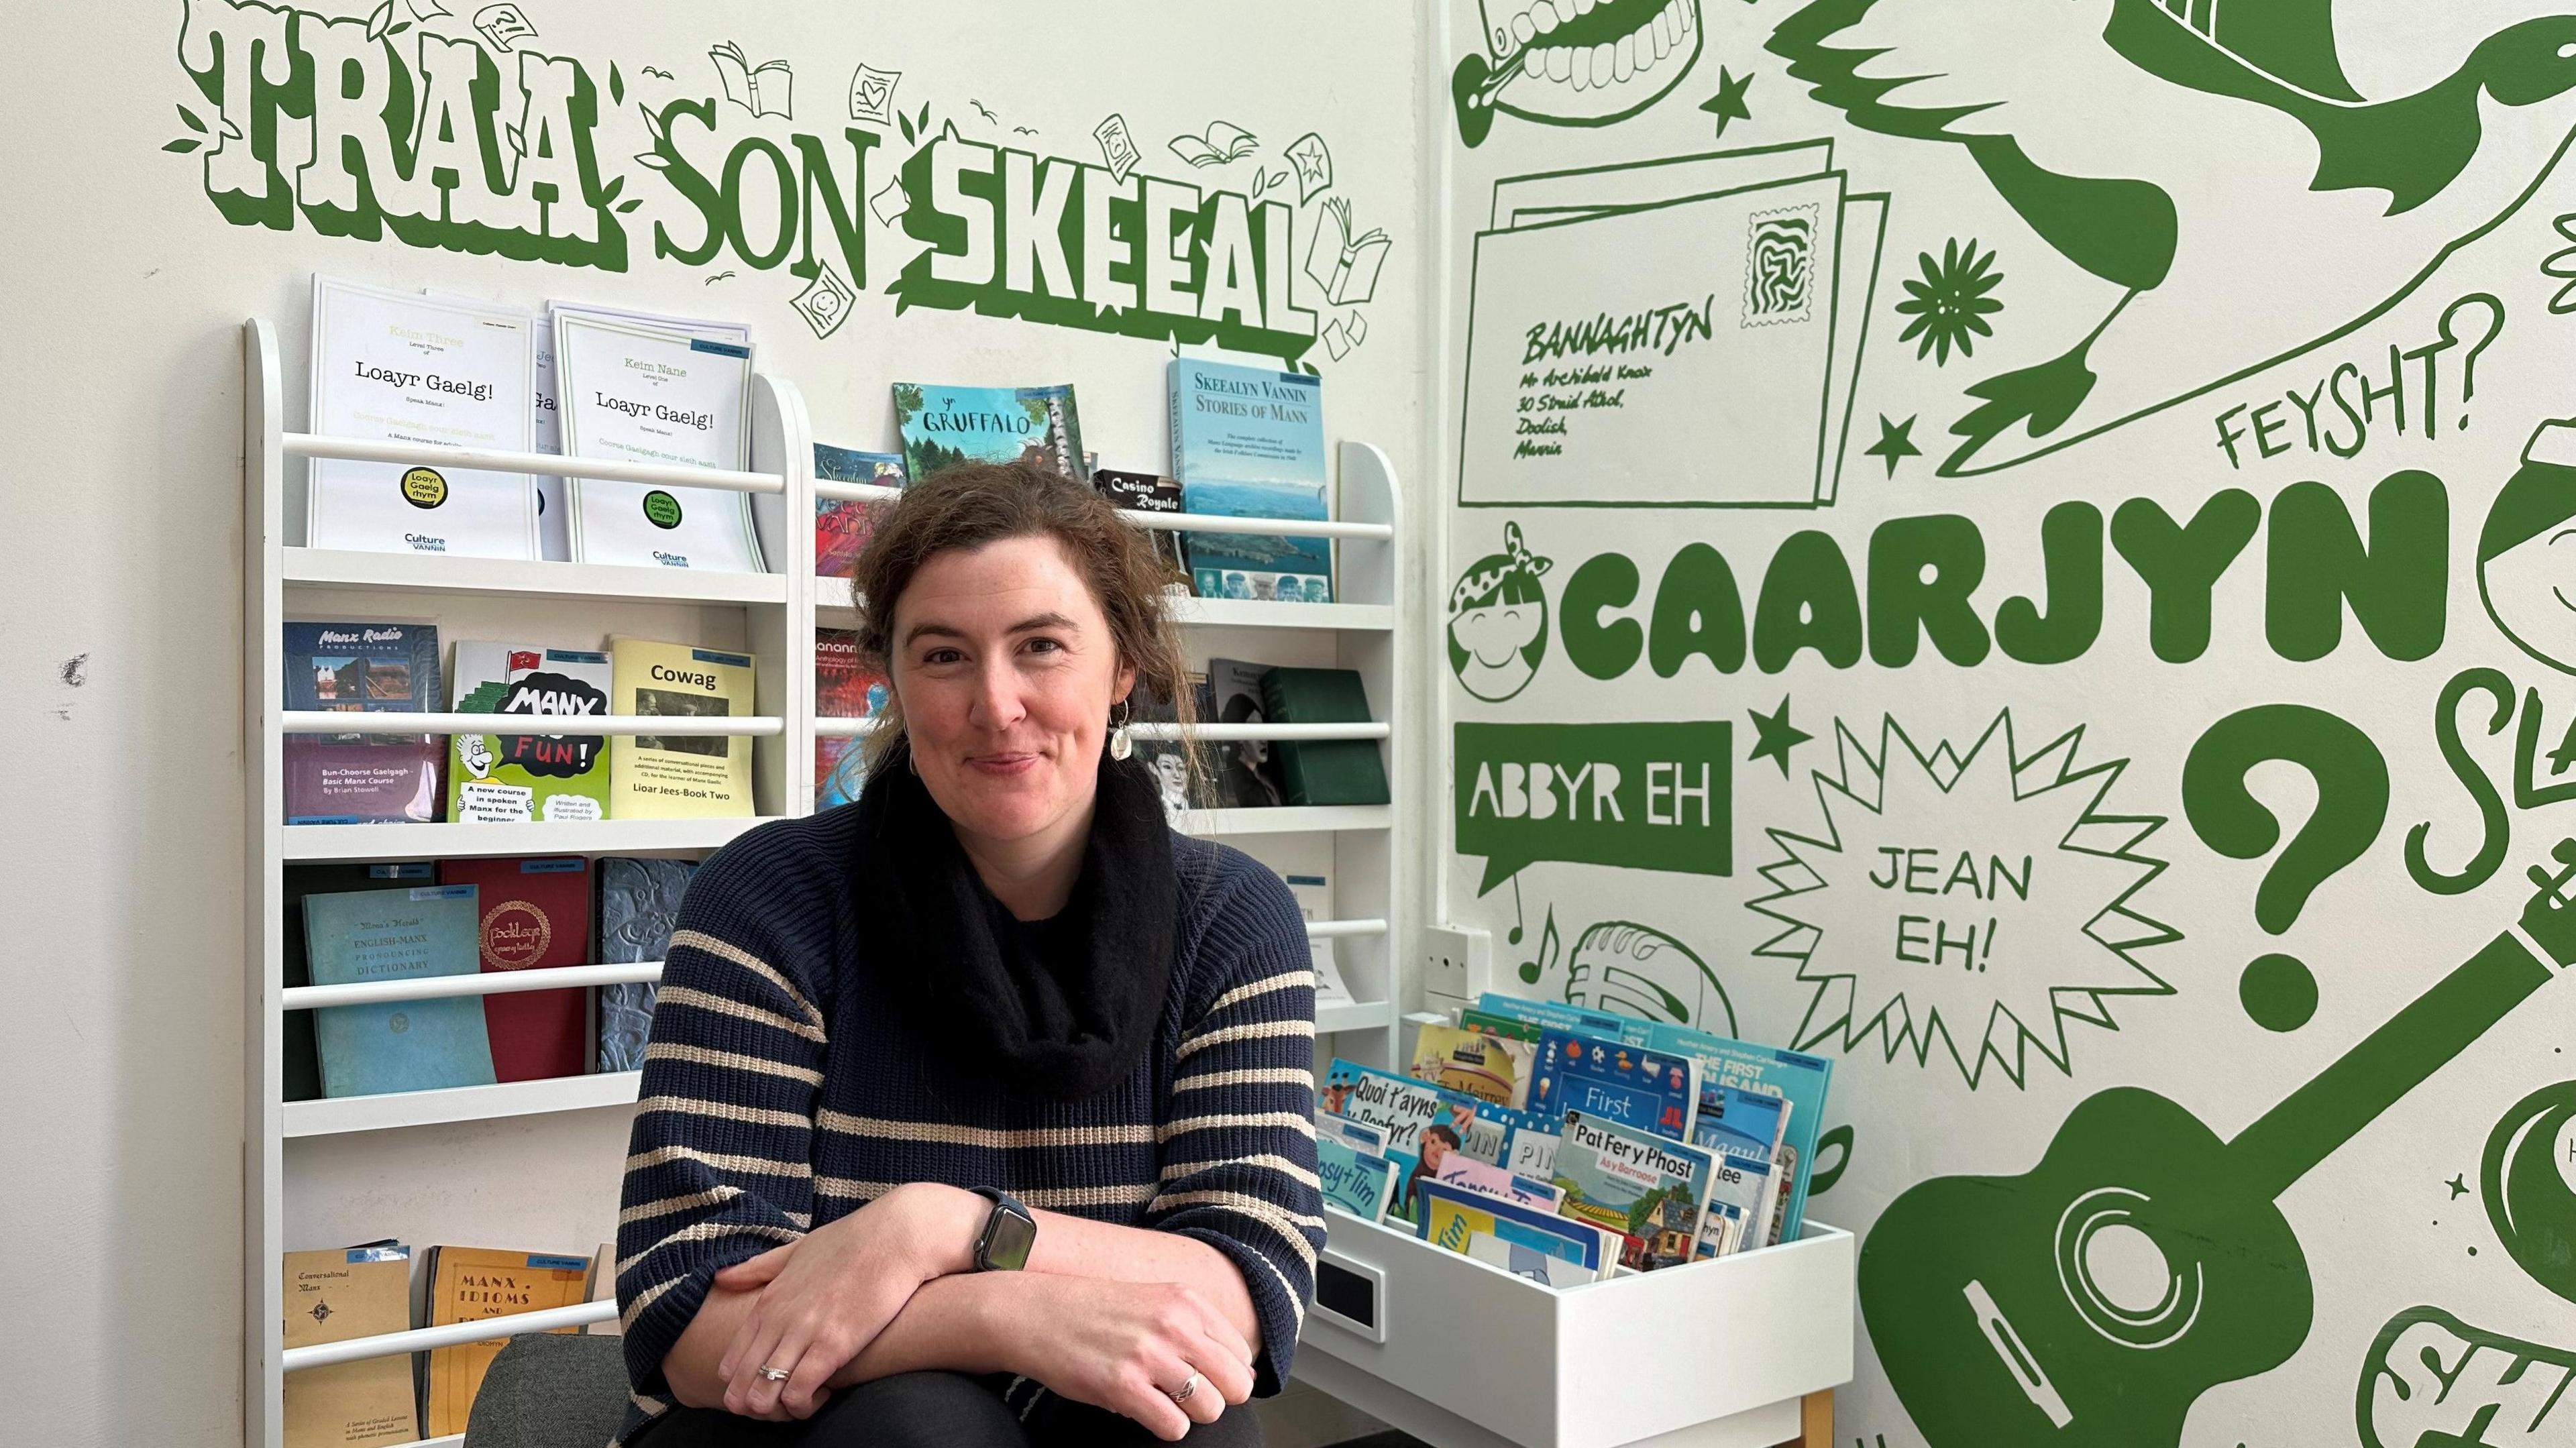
770 615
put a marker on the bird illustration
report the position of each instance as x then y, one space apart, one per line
2211 161
1024 130
981 109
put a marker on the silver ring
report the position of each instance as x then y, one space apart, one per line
775 1375
1182 1393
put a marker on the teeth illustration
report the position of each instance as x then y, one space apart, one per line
1522 30
1623 56
1543 15
1560 63
1576 65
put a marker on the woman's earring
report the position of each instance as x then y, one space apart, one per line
1121 743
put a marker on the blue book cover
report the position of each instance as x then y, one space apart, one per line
347 779
378 935
1558 1015
1267 566
1799 1079
1422 1122
1353 1180
1451 1215
1246 425
1631 1085
944 426
639 906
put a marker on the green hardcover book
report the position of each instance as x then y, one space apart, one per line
1329 771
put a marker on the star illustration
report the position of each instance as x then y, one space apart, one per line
2459 1186
1895 443
1775 736
1728 104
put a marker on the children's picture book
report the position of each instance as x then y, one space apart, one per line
1460 1169
1610 1080
1247 769
1249 443
1354 1181
1359 1136
350 779
379 935
1451 1214
1525 1140
944 426
1746 1127
507 778
1315 902
1796 1078
1323 771
1487 1067
535 915
1423 1123
639 906
1532 1017
1150 493
1646 1187
1529 1262
844 688
470 1283
842 526
679 776
1743 1194
333 1295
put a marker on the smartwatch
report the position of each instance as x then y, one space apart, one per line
1009 1232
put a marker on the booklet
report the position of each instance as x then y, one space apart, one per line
1451 1215
1353 1180
1651 1189
655 394
438 370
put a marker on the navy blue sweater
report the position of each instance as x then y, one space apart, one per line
779 1094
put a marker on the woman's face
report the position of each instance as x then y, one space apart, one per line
1007 672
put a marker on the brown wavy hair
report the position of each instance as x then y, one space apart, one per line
973 504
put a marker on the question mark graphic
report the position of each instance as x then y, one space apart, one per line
2468 364
2279 991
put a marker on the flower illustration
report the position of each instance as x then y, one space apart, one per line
1950 303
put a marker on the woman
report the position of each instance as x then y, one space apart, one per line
979 1112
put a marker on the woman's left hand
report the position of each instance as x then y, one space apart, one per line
826 1296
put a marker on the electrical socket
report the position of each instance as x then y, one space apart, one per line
1457 962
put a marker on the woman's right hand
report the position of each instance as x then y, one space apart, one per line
1125 1346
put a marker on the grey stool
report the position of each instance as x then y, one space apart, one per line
549 1390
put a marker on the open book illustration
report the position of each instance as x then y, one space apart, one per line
1224 141
1345 266
766 89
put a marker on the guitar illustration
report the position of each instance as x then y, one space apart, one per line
2093 1299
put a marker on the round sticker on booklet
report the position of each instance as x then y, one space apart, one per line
424 488
661 509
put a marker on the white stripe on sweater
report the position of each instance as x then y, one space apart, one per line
748 1165
1285 980
946 1135
681 995
1265 1160
1297 1076
723 950
1254 1031
1297 1121
729 1060
725 1111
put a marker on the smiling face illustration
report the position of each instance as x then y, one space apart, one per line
2527 551
1498 621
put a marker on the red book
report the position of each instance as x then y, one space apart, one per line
536 915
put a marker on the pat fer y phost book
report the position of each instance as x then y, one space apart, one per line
1648 1188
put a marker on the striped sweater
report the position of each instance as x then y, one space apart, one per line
778 1094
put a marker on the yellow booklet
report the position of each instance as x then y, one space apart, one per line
679 776
467 1283
1489 1068
332 1296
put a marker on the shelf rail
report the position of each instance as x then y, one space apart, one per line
490 982
499 460
1169 522
422 1339
1210 733
345 721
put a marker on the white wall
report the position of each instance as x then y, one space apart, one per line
119 624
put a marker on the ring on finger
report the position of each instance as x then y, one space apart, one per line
774 1374
1185 1391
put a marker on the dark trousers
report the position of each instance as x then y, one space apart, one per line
940 1410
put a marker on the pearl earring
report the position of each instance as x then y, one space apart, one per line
1121 743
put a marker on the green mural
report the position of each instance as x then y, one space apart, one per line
1498 620
1647 796
2527 1179
1579 64
1948 307
2094 1298
2351 781
2433 1381
1967 898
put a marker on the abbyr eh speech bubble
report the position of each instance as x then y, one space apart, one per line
1647 796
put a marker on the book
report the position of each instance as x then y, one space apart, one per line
1359 1136
1488 1067
842 526
1343 264
1249 443
1315 902
1609 1080
944 426
1422 1122
1323 771
1223 141
348 779
679 776
1746 1128
467 1284
1535 1017
1184 774
1150 493
1451 1214
437 371
602 1287
331 1296
1648 1188
1527 1140
301 1067
504 778
1460 1169
844 688
1355 1181
665 393
1743 1193
639 906
535 915
766 89
1247 770
1799 1079
1529 1262
375 935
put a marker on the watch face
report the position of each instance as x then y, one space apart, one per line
1007 1240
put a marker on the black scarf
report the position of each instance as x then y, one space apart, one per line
1065 1024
